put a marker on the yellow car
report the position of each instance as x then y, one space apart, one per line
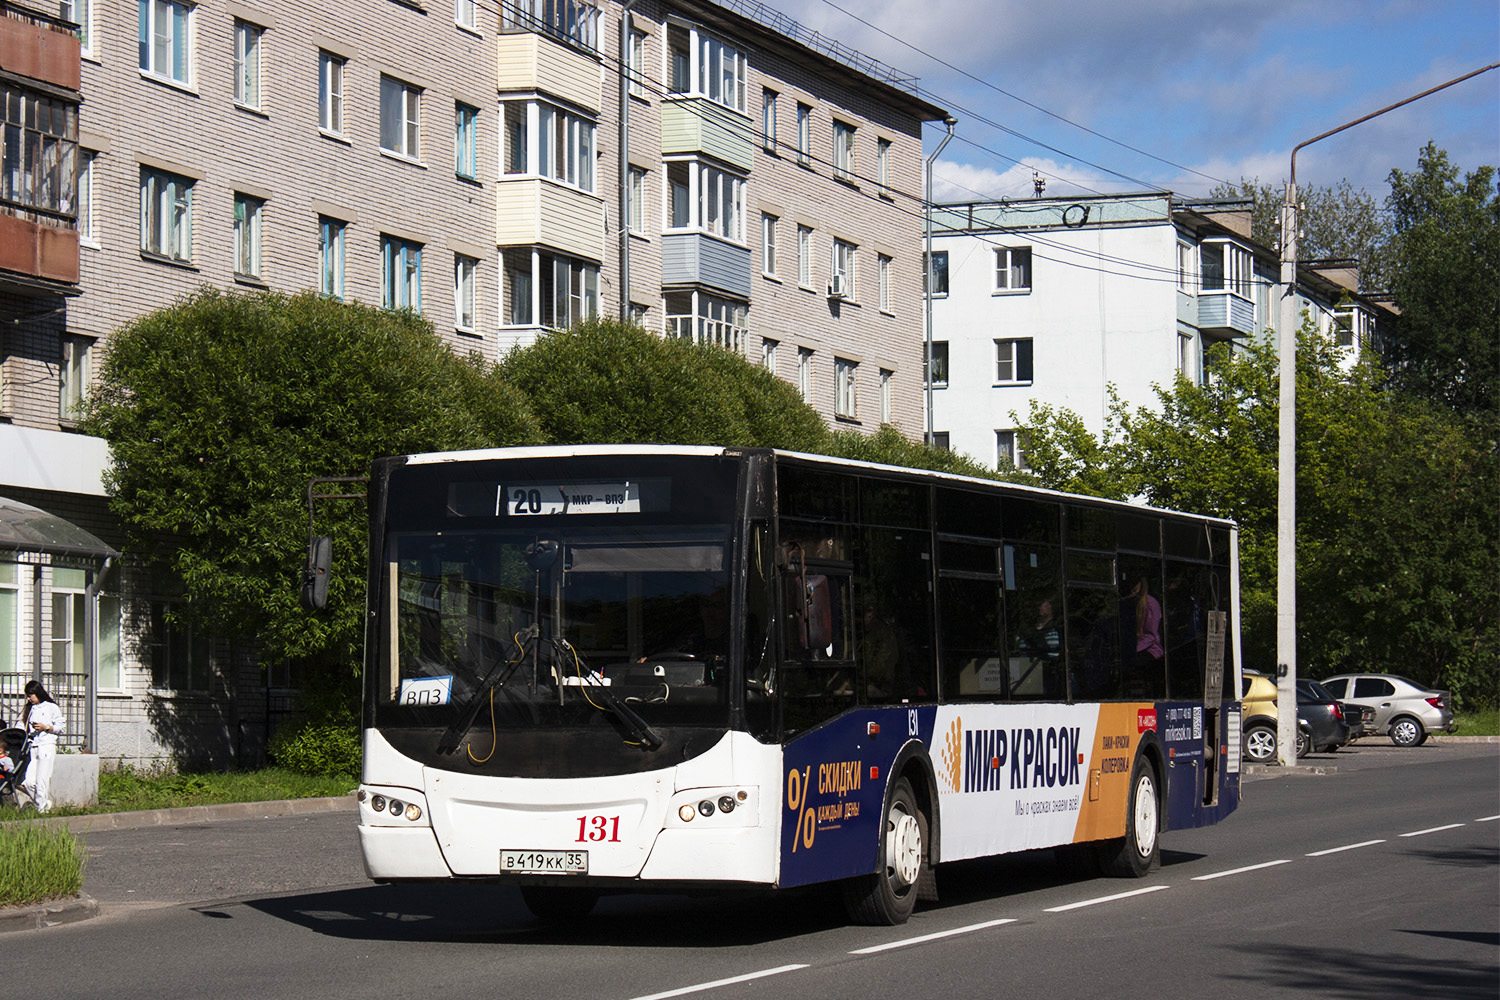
1258 717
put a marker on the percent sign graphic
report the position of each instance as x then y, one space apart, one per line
796 801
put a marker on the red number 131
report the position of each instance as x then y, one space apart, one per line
597 828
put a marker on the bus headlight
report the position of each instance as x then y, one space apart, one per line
686 813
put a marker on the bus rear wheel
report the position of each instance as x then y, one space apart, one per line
1136 853
888 896
557 904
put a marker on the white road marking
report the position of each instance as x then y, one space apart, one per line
1435 829
1106 899
932 937
722 982
1241 871
1346 847
1487 819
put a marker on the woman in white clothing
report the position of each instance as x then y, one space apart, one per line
44 720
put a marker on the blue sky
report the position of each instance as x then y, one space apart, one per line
1222 88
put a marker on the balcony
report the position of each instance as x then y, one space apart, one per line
707 261
534 62
698 125
1225 314
531 211
40 48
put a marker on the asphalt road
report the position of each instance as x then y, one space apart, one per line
1377 880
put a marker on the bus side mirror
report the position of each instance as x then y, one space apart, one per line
315 576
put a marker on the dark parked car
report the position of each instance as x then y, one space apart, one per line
1359 718
1320 720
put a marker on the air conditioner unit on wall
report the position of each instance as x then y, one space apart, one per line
837 287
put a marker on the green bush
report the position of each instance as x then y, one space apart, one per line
317 749
39 863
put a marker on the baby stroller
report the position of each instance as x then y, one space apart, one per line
17 746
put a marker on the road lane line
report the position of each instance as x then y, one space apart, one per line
722 982
1241 871
1346 847
1106 899
1487 819
1434 829
932 937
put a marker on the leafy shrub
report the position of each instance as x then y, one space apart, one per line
317 749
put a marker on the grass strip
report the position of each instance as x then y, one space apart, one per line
38 863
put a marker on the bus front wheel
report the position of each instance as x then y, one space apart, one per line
1136 853
888 896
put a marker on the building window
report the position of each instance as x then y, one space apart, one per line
401 274
707 319
166 215
768 354
886 376
179 653
721 199
464 269
247 217
843 271
518 291
1013 361
768 244
86 234
883 165
565 147
843 151
543 289
517 135
1185 355
331 257
75 372
330 93
939 373
400 118
1013 269
572 21
10 600
1186 279
635 200
247 64
40 152
635 64
940 440
805 373
804 256
463 14
1225 267
884 264
164 36
638 315
935 280
466 141
768 119
1010 451
1351 328
81 13
804 135
845 388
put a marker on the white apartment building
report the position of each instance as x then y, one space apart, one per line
1057 299
710 170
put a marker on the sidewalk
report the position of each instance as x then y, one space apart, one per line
83 907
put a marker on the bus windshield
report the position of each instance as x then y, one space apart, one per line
611 619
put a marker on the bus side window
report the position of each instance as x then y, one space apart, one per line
818 676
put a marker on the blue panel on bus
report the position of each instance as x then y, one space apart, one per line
1181 730
833 791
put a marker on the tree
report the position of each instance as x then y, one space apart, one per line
1447 284
220 408
1397 545
608 382
1339 222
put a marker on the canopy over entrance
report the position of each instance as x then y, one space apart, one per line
24 528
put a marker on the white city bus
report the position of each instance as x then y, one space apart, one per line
607 668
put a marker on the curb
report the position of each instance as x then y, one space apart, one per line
48 914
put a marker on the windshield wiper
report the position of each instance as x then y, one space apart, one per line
452 736
637 730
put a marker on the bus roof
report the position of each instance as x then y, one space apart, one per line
709 451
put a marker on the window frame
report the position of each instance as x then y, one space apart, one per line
248 230
331 235
401 273
883 263
74 375
635 199
1020 358
69 10
804 256
175 48
939 365
247 64
886 378
465 141
166 215
768 248
769 105
844 163
86 233
845 388
460 8
883 166
804 134
635 64
844 263
805 373
1008 261
465 282
401 121
931 273
331 92
1010 443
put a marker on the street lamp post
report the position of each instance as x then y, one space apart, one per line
1286 455
927 278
